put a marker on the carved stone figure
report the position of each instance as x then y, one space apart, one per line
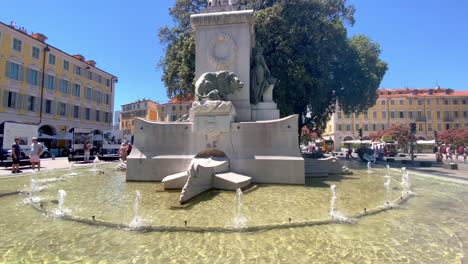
261 78
217 85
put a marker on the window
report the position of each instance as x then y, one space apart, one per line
107 82
348 116
62 109
188 107
429 115
14 71
366 115
64 86
35 52
464 101
51 59
383 102
420 127
99 78
438 114
428 102
366 127
439 127
420 115
429 127
173 109
32 76
107 98
419 102
392 102
48 107
374 114
90 75
66 65
455 114
12 100
50 82
88 93
174 117
98 116
31 103
17 45
384 114
77 70
437 101
410 114
455 101
76 111
77 90
339 127
410 101
357 127
87 113
446 102
465 114
98 97
374 127
401 102
180 108
392 114
402 114
106 117
348 127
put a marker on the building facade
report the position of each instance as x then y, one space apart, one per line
431 109
145 109
174 110
41 84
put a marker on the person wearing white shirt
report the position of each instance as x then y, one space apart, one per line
34 156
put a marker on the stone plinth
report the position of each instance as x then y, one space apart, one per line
224 42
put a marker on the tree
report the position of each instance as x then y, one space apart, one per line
307 49
457 136
399 133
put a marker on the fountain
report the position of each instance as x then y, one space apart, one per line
405 180
209 157
239 221
136 220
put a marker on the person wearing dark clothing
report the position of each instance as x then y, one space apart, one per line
129 149
15 155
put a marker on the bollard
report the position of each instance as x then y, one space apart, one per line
53 157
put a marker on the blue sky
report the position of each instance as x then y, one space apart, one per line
424 42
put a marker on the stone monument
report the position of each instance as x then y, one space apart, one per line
230 139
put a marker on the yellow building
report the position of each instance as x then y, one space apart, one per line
145 109
431 109
174 110
41 84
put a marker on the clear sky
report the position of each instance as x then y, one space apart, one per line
424 42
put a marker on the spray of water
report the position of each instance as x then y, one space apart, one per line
388 193
334 214
405 180
239 221
387 172
369 166
136 221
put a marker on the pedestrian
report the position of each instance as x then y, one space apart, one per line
86 150
123 151
448 153
465 153
34 156
129 149
15 156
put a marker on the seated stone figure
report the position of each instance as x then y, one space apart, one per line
217 85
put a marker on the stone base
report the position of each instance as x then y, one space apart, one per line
230 181
325 167
265 111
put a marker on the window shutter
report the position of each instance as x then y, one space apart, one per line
5 98
39 78
28 73
21 73
7 69
52 107
19 101
56 84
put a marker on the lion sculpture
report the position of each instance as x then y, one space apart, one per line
217 85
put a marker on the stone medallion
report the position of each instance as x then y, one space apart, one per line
222 51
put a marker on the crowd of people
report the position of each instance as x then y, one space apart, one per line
449 151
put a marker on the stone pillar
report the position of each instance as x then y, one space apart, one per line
223 42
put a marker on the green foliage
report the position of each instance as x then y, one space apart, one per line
306 48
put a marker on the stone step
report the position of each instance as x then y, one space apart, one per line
175 181
231 181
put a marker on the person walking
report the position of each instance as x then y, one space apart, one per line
123 151
34 156
15 155
448 153
86 150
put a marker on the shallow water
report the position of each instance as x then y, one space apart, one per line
430 227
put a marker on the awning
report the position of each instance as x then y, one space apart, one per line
425 142
45 136
64 136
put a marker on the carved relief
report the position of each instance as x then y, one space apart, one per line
222 51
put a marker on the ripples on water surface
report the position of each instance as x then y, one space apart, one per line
430 227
